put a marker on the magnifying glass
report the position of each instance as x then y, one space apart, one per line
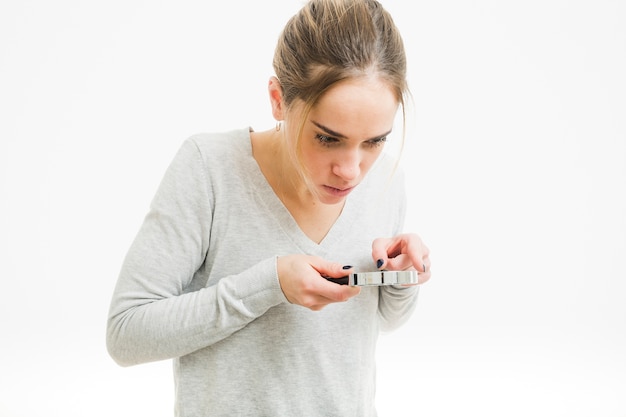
377 278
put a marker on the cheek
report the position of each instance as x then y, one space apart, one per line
315 161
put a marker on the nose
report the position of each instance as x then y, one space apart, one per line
348 165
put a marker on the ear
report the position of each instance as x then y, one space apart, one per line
276 98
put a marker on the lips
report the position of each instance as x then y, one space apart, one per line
338 192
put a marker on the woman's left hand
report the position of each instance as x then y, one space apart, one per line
402 252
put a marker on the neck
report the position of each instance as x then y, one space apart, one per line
280 168
283 175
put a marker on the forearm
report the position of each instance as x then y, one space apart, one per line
395 305
142 328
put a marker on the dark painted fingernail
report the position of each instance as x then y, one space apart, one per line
346 267
379 263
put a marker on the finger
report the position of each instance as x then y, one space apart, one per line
380 253
337 275
404 262
417 252
385 250
327 293
423 277
330 291
426 263
399 263
345 280
401 252
328 268
314 301
336 293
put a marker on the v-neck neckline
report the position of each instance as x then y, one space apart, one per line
287 222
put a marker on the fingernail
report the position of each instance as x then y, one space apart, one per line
346 267
379 263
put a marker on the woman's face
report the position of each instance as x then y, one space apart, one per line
344 134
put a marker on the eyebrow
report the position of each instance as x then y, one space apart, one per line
342 136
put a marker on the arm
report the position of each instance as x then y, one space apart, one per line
153 315
402 252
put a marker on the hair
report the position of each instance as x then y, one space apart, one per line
329 41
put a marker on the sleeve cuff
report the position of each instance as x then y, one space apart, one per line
259 288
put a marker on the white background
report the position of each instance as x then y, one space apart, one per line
516 156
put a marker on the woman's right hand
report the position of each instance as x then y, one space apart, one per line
302 280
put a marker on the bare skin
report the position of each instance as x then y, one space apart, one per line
343 136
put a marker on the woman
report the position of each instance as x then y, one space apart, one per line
227 275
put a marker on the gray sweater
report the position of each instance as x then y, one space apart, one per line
199 286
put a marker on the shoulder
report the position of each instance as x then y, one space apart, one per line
220 145
213 152
213 155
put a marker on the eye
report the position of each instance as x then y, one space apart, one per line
326 140
376 142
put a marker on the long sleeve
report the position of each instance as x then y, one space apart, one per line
396 303
155 313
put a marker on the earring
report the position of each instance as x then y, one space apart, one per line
278 125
